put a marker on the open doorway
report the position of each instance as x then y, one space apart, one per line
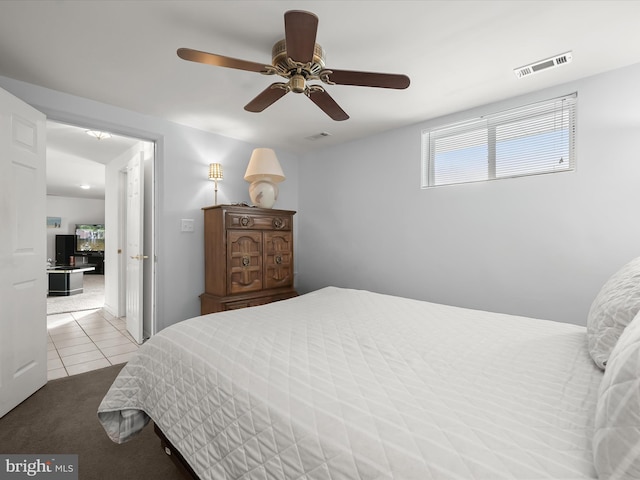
88 328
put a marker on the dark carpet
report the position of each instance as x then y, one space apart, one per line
61 418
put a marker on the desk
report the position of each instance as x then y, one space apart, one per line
65 281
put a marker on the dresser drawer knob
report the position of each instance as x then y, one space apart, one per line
278 222
278 259
246 261
244 221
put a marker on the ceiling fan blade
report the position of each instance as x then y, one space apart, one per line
220 60
328 105
266 98
300 29
365 79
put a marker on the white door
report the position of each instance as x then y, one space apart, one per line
135 244
23 290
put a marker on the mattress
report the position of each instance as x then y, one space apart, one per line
350 384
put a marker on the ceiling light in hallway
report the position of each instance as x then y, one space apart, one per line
98 134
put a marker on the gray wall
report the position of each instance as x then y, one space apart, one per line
182 189
537 246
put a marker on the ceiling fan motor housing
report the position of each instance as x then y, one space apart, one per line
280 60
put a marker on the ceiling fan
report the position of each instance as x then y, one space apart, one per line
299 59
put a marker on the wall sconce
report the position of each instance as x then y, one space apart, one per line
215 174
264 172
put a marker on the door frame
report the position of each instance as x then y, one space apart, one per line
156 174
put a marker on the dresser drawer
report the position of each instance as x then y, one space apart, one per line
247 303
213 304
259 222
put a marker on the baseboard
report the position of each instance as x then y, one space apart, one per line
110 310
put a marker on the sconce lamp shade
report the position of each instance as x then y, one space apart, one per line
264 165
215 174
215 171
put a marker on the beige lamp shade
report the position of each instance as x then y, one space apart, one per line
264 165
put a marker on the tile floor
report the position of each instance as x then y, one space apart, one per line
87 340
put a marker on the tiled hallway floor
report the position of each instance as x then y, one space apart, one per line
87 340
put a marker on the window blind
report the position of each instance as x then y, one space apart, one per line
528 140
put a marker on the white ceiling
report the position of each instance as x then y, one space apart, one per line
75 158
458 54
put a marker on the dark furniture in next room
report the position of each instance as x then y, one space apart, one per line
67 247
65 281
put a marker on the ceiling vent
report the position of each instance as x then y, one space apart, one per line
536 67
318 136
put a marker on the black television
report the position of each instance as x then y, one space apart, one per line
89 238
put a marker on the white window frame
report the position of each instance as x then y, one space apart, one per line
555 152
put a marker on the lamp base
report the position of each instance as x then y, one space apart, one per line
263 193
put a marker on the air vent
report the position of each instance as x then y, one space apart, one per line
536 67
318 136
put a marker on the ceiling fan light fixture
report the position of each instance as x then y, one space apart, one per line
297 84
98 134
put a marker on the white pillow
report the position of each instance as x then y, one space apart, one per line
616 438
612 310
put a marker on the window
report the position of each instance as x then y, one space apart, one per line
529 140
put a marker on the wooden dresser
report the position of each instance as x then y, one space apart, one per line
248 257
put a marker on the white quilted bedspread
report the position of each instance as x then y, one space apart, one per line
347 384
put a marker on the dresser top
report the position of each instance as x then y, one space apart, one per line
249 209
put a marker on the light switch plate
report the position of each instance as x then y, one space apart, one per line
187 225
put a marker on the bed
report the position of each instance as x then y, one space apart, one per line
350 384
